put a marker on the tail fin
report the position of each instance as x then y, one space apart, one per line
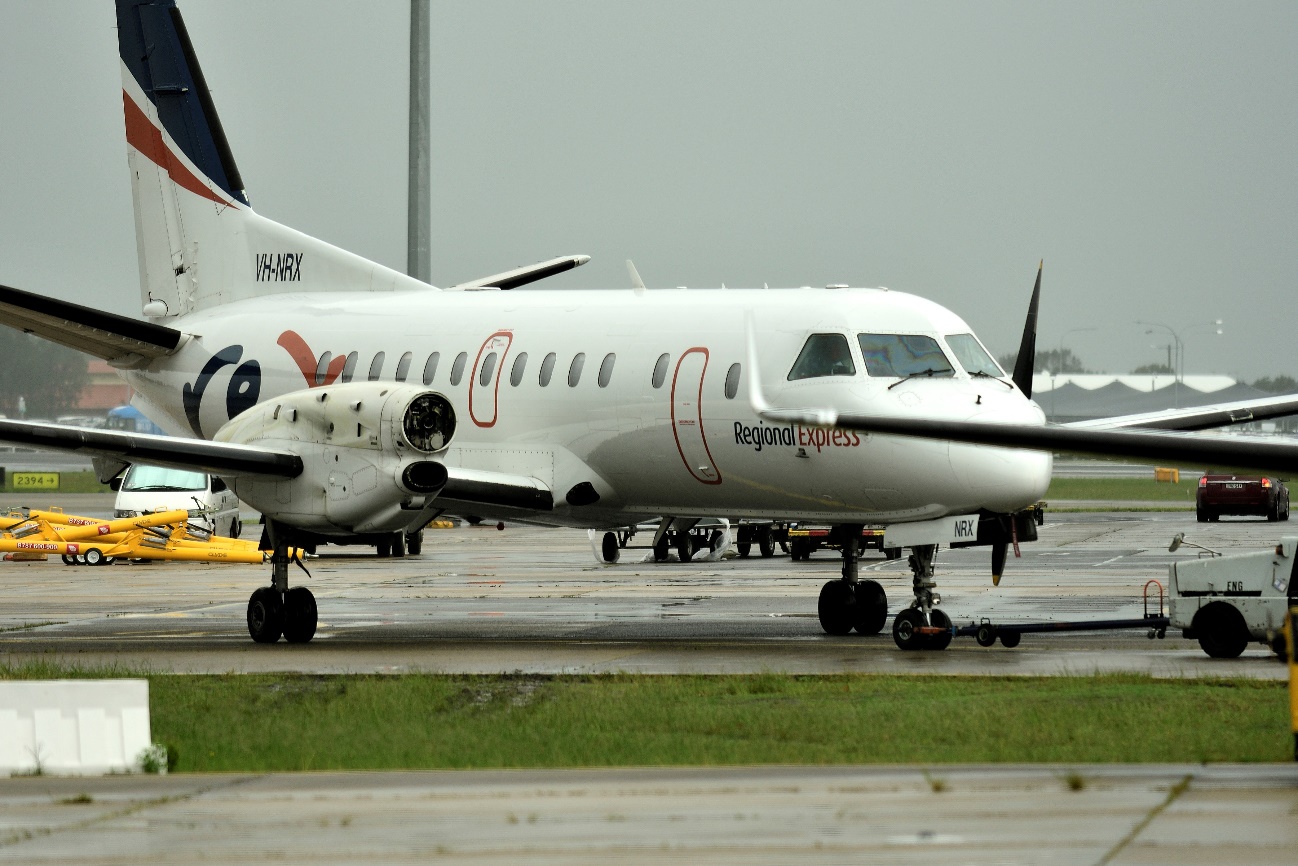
199 242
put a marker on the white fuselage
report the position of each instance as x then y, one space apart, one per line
680 447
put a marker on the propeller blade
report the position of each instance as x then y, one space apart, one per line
1028 347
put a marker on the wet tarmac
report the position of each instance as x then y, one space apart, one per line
478 600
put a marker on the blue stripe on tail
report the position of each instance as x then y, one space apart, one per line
155 47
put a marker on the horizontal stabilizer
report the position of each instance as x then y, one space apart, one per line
524 275
218 458
104 335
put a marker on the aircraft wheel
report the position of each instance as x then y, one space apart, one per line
398 544
685 546
415 542
660 550
871 607
744 548
265 615
384 547
905 629
608 548
938 619
299 615
986 635
1010 639
94 556
1221 629
837 607
765 543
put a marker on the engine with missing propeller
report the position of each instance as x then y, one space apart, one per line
366 449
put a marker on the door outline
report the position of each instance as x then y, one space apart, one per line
693 425
492 343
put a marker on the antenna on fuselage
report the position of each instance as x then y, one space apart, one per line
636 282
1028 347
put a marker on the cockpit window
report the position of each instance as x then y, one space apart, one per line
972 356
899 355
823 355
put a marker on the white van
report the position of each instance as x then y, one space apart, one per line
153 488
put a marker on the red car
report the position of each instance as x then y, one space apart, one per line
1241 494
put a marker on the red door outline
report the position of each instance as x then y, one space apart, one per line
689 422
497 342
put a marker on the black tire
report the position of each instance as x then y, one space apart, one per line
1221 630
383 547
892 553
1273 513
1010 639
939 619
660 549
799 550
265 615
608 549
744 548
1280 647
905 629
765 543
986 635
398 544
236 527
415 542
685 546
837 607
68 559
300 615
871 607
94 556
1200 515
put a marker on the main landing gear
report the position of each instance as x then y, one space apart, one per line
848 603
277 610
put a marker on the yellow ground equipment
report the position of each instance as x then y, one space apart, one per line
164 535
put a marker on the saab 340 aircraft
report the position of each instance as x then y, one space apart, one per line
342 399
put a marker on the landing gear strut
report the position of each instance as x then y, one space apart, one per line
911 627
847 603
277 610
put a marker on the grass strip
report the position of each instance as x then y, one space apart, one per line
256 722
1119 489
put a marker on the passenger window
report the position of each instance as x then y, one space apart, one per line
547 369
403 366
322 368
457 369
732 381
823 355
349 368
574 369
488 367
430 367
376 366
516 375
900 355
972 356
660 370
606 369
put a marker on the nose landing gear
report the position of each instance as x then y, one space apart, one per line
922 625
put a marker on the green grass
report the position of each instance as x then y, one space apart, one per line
257 722
81 481
1123 489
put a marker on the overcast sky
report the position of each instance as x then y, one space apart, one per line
1147 151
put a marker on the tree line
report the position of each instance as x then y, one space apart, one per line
39 379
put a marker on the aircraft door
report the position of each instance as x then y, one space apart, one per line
484 380
687 416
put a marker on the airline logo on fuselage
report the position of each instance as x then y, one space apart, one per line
761 435
278 267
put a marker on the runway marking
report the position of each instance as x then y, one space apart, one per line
1114 559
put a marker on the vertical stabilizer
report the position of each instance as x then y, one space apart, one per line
199 242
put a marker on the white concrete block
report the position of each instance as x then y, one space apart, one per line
73 727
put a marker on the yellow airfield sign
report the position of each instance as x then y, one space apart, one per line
34 481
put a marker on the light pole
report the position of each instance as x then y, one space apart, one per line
1178 359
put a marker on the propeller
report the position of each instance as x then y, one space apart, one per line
1028 347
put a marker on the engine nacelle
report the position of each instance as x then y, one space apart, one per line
366 450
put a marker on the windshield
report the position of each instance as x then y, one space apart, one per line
897 355
972 356
157 478
823 355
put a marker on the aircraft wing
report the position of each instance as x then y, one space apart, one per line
524 275
1198 417
1218 451
104 335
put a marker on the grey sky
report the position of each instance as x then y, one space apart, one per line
1148 151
